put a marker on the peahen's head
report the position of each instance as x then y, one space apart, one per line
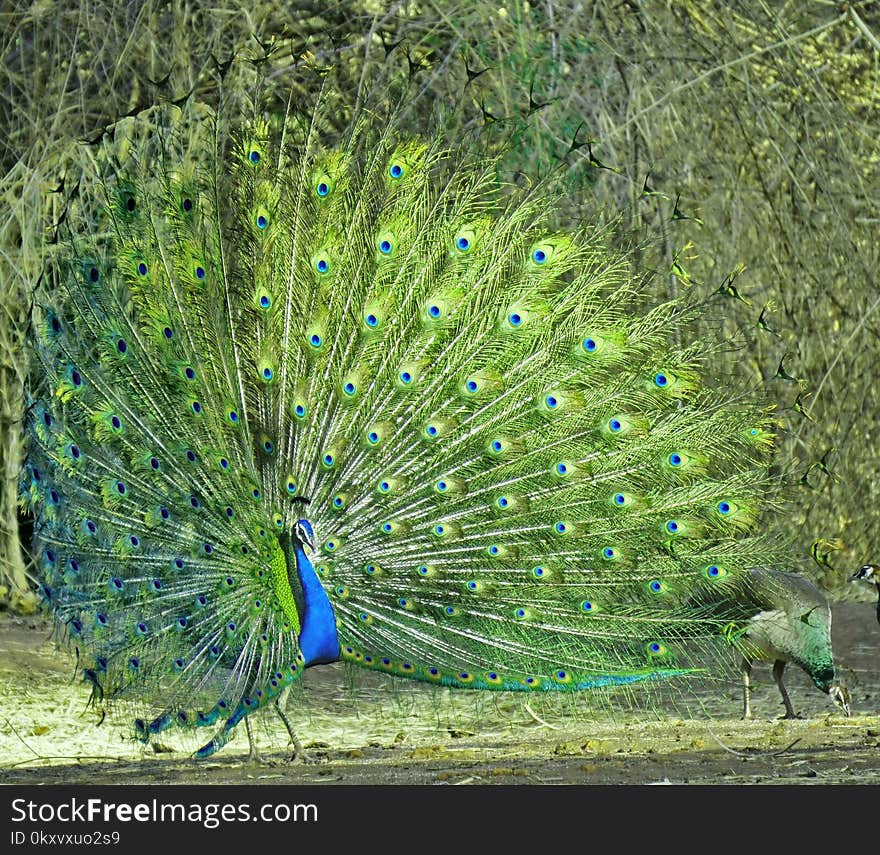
304 534
867 573
825 678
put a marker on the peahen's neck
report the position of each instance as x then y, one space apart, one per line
318 639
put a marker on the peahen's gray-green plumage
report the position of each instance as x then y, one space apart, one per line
309 396
790 622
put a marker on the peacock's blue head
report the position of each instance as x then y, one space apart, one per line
304 534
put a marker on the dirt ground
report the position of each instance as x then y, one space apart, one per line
366 729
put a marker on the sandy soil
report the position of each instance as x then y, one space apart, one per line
366 729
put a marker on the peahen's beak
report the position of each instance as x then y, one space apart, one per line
840 695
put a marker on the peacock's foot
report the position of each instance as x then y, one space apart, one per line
300 757
306 760
254 757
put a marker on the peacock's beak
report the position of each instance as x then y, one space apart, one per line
308 541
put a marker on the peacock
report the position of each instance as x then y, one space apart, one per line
311 390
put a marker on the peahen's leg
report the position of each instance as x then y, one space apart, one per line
298 755
746 668
778 669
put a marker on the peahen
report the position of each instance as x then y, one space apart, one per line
309 394
791 623
868 575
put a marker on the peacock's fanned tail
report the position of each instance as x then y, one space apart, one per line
516 478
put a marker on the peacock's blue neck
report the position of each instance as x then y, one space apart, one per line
318 639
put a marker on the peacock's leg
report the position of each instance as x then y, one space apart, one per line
253 753
746 668
299 755
778 669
